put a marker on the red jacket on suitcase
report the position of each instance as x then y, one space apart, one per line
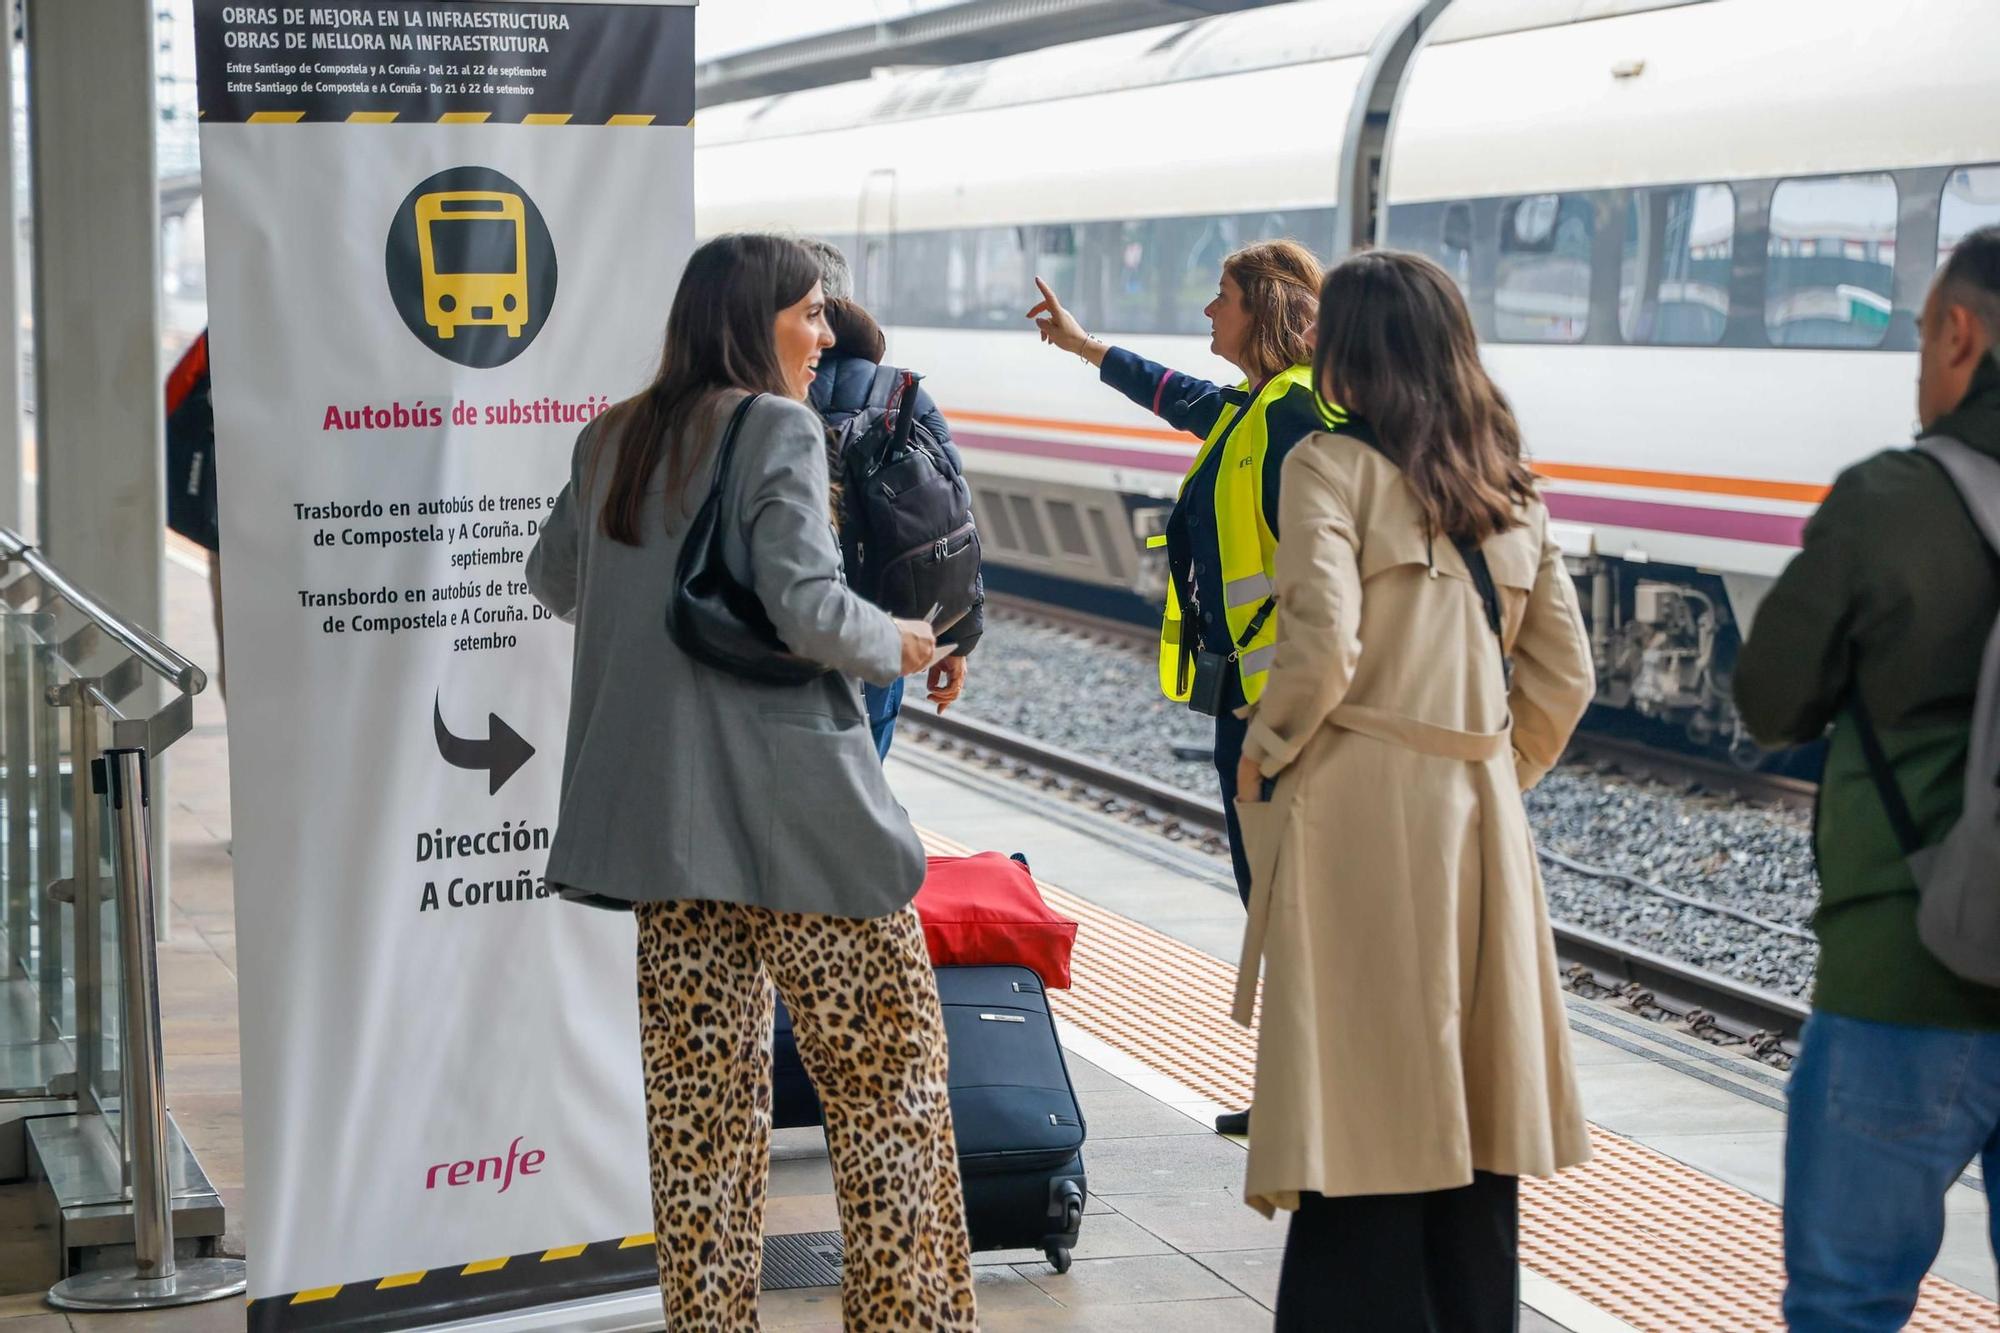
985 910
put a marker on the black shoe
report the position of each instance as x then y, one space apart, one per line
1233 1122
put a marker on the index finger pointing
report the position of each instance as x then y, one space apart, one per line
1047 295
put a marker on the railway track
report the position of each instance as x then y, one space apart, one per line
1636 759
1594 748
1714 1006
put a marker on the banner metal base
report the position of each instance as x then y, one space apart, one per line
194 1281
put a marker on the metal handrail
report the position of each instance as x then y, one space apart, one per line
155 655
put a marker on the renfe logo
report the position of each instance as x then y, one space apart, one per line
502 1170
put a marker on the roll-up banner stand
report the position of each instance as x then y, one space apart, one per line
441 237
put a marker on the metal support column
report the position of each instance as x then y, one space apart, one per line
12 510
99 411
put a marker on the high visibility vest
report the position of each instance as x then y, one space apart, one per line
1248 546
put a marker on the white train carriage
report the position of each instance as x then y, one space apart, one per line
1694 234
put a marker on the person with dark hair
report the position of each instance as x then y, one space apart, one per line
1413 1053
1877 629
749 826
1221 621
840 392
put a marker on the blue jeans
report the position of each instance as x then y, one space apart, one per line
1883 1119
882 702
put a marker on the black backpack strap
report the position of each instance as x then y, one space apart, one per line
882 390
1898 809
1482 579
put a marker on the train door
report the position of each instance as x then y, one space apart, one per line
1364 150
875 242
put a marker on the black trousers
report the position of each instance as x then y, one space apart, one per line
1442 1262
1229 733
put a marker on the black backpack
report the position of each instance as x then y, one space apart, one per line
906 513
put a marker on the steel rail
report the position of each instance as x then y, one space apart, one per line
1695 994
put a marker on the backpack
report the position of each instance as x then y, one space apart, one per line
1958 879
907 529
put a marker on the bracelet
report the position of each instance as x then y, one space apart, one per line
1083 353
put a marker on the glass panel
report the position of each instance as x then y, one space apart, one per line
1192 251
1128 271
922 260
52 842
989 277
1056 264
1542 286
1971 201
1832 261
1455 246
1673 285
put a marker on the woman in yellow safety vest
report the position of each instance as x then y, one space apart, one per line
1220 627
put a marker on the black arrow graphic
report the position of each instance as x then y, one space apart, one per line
501 754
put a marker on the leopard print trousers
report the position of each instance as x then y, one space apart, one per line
865 1012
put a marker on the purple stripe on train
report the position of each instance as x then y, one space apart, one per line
1737 525
1648 516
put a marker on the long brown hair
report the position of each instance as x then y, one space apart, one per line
1397 348
1280 284
718 337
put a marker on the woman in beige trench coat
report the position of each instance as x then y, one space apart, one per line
1413 1058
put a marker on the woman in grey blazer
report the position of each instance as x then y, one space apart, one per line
750 826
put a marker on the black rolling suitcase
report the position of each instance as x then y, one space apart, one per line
1020 1131
794 1103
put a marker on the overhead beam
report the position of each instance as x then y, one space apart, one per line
955 34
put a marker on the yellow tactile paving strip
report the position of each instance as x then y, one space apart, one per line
1640 1236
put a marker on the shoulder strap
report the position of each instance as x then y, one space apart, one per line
1977 478
728 444
1884 776
1482 579
882 390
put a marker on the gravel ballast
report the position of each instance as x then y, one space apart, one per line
1102 700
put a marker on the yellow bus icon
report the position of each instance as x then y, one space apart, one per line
474 248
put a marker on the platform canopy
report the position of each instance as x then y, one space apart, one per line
935 34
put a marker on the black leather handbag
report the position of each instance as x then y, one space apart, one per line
714 618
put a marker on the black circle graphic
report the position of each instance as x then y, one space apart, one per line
471 266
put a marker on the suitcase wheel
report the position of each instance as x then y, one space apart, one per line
1056 1246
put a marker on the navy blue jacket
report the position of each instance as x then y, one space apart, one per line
838 391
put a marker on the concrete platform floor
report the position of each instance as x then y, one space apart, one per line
1167 1245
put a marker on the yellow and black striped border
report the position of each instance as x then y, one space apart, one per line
448 118
487 1286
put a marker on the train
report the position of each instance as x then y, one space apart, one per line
1695 236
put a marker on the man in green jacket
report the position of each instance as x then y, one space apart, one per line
1897 1084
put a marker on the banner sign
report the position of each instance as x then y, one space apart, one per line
441 238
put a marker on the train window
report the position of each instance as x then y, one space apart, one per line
1971 201
923 258
1832 261
1193 250
1129 270
986 273
1055 263
1542 285
1455 245
1673 286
